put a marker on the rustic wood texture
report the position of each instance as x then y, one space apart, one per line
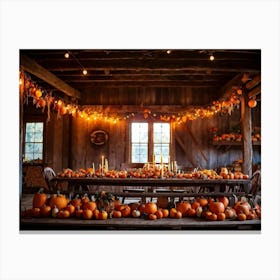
34 68
246 128
185 223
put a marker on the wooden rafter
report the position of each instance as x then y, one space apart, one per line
34 68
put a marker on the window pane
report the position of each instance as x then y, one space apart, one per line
34 140
161 132
161 141
139 132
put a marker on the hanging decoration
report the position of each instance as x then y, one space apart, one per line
43 99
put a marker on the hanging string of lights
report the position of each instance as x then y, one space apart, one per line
42 98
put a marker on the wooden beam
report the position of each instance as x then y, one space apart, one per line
254 82
144 84
34 68
256 91
246 129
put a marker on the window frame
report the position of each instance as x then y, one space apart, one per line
150 139
31 119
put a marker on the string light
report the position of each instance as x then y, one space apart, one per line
84 72
211 57
168 51
66 55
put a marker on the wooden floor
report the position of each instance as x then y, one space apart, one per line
187 223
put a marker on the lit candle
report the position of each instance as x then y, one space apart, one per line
102 162
93 168
106 165
175 166
168 163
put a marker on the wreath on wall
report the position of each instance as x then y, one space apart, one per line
99 137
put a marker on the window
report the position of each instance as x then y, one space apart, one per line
139 141
161 141
148 140
33 147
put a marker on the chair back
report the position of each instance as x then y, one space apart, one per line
49 173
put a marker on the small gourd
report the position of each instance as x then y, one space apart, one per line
136 213
55 211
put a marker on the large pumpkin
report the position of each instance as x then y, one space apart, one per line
183 207
217 207
60 201
150 208
39 199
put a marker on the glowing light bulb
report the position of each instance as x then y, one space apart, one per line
66 55
85 72
168 51
212 57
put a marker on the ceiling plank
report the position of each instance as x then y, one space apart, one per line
34 68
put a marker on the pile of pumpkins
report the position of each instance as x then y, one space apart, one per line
153 172
59 206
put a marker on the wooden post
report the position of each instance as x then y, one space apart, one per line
21 136
246 128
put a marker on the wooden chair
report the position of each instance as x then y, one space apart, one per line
256 186
49 174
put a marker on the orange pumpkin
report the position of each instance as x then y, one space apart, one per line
79 212
183 207
224 200
217 207
179 215
150 208
46 211
252 103
71 209
87 214
191 212
165 213
36 212
159 214
103 215
241 217
39 199
117 214
76 202
173 213
152 217
213 217
221 216
195 205
126 211
91 205
63 214
60 201
202 201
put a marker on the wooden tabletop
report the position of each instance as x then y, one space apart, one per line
149 181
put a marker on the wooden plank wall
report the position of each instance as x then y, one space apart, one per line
68 142
150 96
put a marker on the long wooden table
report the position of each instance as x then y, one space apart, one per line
218 186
